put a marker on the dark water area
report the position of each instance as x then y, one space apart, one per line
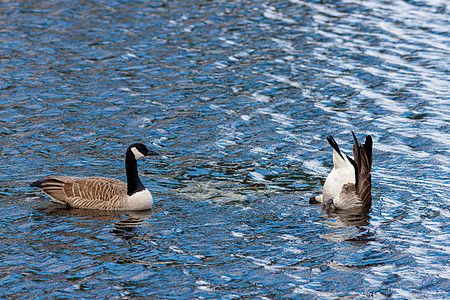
238 97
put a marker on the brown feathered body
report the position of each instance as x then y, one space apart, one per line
93 193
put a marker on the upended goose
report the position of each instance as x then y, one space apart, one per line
349 183
101 192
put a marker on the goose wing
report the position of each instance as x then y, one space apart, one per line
85 192
363 158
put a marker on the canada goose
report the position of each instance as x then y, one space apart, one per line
102 192
349 183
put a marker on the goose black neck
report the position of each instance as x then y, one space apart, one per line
134 185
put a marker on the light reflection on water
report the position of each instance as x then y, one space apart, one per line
238 98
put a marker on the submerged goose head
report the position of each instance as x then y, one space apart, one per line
348 185
102 192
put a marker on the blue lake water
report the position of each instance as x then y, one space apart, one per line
238 97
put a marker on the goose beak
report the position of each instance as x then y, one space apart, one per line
151 152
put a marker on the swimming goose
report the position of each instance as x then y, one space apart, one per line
349 183
101 192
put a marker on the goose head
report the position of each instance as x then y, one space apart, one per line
138 150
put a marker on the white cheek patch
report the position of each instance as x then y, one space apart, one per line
136 153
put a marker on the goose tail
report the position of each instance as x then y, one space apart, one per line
363 157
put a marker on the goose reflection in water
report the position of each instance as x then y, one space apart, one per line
125 223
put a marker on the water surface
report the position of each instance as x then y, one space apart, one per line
238 98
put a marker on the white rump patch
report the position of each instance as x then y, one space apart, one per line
137 153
